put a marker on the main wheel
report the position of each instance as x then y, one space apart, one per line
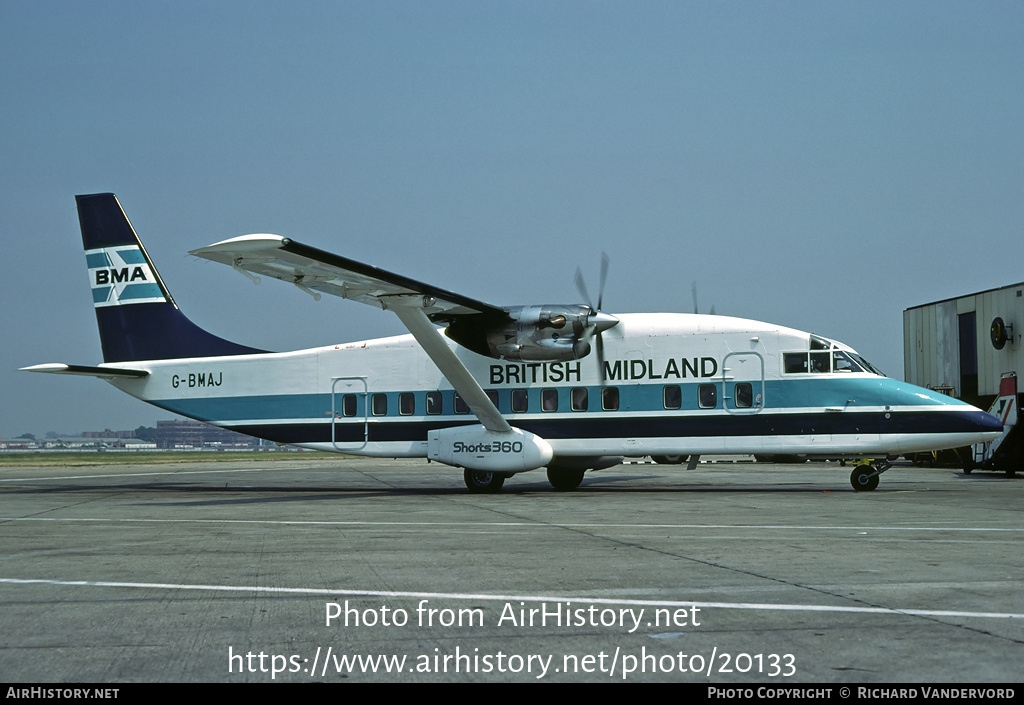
669 459
565 478
864 478
480 482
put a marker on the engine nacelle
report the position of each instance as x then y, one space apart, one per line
550 333
476 448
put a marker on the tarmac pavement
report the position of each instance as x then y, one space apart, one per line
310 570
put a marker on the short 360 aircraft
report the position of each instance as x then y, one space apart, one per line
502 389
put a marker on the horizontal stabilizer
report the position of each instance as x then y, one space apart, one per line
59 368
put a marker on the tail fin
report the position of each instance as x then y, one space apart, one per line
138 319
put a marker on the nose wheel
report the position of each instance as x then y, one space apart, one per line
864 478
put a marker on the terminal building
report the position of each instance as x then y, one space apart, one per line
187 433
970 347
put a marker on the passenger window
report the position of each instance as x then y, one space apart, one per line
492 394
406 404
461 407
672 396
707 396
580 399
433 402
379 404
744 395
520 401
610 398
549 400
348 405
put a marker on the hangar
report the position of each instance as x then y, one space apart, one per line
970 347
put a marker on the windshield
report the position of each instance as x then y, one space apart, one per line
868 366
825 356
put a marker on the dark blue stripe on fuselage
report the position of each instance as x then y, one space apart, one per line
763 424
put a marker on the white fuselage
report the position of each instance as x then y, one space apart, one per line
674 384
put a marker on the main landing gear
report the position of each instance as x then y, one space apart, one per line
864 478
480 482
564 479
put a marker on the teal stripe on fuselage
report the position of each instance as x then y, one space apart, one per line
838 391
224 410
778 395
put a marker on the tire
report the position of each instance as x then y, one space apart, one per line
565 479
480 482
862 478
669 459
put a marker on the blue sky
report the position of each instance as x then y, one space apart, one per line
821 165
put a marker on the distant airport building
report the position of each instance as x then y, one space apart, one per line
970 347
186 433
82 442
108 434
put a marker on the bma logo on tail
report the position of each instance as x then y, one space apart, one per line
122 275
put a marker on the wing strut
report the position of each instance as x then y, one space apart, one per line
409 310
415 303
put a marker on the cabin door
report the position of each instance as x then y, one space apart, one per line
350 414
743 382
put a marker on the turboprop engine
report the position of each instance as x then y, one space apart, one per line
534 333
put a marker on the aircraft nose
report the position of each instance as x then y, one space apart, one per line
981 423
987 423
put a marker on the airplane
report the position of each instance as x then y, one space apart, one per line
499 390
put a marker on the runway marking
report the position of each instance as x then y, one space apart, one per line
103 476
521 524
521 598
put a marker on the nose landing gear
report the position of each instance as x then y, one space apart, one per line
864 477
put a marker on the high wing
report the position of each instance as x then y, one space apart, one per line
417 305
312 269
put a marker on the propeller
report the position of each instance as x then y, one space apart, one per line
597 321
694 289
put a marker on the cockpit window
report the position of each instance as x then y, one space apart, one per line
832 360
795 363
868 366
841 362
819 343
821 362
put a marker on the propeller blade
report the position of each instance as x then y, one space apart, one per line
597 322
695 309
582 288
